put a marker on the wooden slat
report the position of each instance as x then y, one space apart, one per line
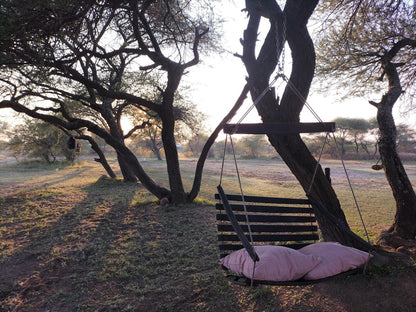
268 209
267 200
269 218
270 238
233 247
283 128
261 228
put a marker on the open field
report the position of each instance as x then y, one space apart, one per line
72 240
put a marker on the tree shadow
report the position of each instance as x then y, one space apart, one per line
106 253
54 256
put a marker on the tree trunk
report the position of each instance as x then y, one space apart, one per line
102 159
178 195
208 144
404 224
126 171
117 133
155 149
291 147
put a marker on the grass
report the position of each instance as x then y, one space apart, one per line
72 240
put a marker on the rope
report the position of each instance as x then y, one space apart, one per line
301 97
281 61
223 159
241 192
352 190
256 101
242 197
317 165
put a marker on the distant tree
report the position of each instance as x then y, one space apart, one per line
406 139
353 128
253 146
4 126
368 46
196 143
39 139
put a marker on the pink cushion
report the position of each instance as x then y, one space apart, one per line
276 263
336 258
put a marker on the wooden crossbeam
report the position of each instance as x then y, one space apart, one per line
283 128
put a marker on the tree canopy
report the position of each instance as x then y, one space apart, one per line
83 65
355 35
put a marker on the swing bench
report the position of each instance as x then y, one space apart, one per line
286 221
244 221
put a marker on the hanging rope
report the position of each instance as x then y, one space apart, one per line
352 190
302 98
242 196
241 191
256 101
317 165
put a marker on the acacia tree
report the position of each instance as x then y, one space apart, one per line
372 43
355 128
97 54
35 138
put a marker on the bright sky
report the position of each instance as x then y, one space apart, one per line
218 81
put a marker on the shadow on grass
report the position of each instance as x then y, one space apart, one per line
96 251
59 257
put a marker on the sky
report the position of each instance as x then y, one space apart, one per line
217 82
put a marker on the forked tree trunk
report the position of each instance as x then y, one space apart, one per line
291 147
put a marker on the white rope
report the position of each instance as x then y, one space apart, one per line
257 100
352 190
317 165
241 191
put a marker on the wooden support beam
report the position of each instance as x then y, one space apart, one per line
283 128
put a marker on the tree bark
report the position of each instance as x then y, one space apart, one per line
404 224
178 195
291 147
102 159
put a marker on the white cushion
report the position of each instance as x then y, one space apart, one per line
336 259
277 263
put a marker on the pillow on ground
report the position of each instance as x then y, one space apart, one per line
336 259
277 263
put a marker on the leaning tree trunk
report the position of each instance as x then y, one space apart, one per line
404 224
291 147
126 171
101 157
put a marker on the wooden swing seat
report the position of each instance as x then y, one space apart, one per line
288 222
274 221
